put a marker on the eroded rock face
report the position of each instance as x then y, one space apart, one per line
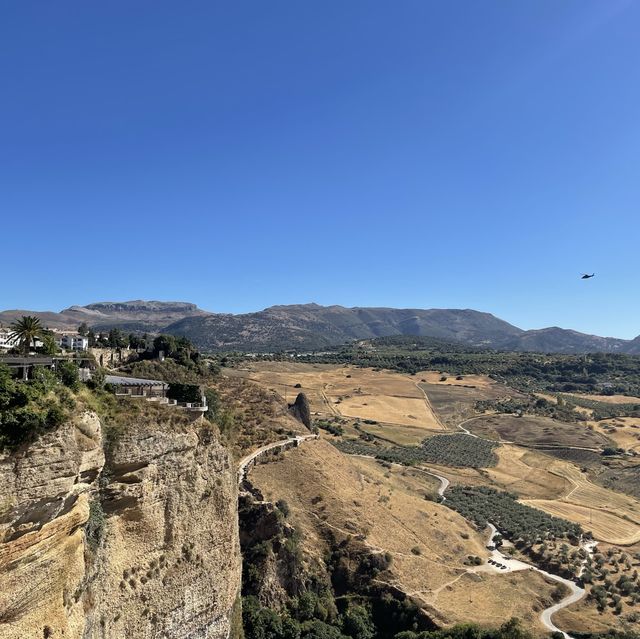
44 502
168 564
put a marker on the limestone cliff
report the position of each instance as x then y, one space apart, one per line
163 559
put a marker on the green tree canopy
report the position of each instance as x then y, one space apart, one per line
27 330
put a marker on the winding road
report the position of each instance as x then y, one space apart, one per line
513 565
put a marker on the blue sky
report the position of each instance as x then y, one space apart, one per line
411 153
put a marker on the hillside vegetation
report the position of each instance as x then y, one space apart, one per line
458 450
27 409
516 521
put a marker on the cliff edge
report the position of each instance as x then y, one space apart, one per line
132 535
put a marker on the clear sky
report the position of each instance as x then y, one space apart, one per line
411 153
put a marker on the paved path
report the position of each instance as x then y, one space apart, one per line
246 461
576 593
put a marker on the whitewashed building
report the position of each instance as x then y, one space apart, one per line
71 342
6 342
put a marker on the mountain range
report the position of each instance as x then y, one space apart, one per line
314 327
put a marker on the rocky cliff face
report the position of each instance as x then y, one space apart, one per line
162 558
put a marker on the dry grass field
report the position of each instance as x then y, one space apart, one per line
526 473
611 516
520 471
522 595
433 377
530 430
283 377
381 396
604 524
624 431
428 542
396 434
387 409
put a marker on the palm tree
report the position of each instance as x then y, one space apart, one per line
26 330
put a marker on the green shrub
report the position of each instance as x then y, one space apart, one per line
27 409
68 374
213 404
98 377
317 629
55 416
283 507
334 429
184 393
357 622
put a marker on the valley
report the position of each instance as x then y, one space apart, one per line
381 419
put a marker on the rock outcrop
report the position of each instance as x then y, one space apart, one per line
301 410
162 558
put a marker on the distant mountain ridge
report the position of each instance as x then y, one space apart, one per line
314 327
135 315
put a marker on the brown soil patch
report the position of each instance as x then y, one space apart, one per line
624 431
454 403
530 430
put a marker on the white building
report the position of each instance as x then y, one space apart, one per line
6 342
70 342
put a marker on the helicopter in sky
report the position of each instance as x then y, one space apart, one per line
586 276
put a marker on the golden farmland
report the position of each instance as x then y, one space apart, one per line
385 397
611 516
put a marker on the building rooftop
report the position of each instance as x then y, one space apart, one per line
120 380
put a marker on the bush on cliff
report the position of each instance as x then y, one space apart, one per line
29 408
